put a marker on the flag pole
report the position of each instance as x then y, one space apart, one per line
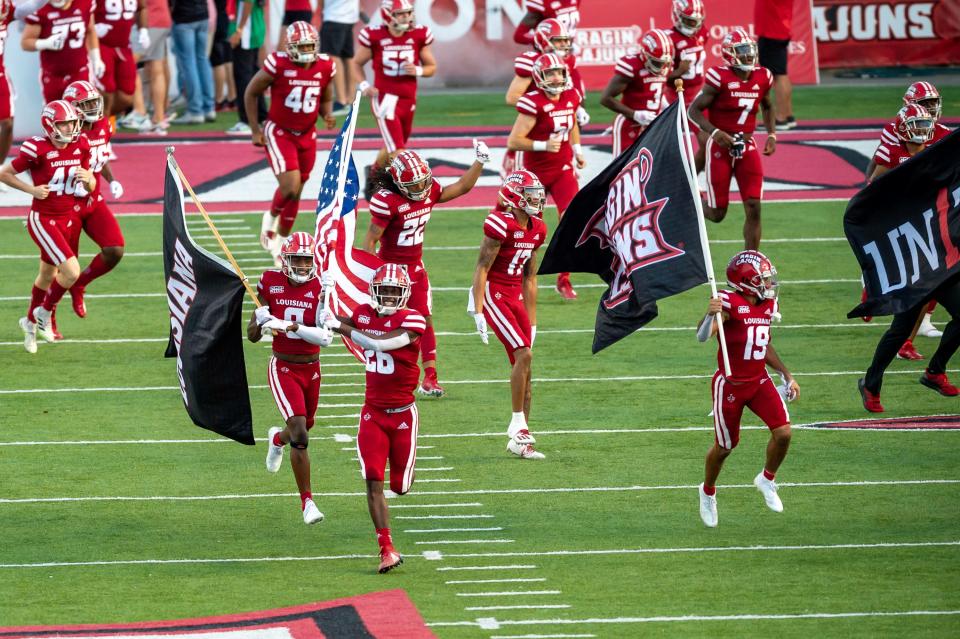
701 222
213 228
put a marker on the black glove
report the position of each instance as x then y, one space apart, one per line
738 147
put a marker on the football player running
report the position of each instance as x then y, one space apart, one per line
114 20
401 52
504 293
291 304
299 81
59 165
388 333
399 211
746 311
63 32
689 36
732 93
547 132
640 78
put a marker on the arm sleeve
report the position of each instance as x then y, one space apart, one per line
315 335
366 342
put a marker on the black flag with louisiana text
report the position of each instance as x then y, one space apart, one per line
904 228
635 225
205 297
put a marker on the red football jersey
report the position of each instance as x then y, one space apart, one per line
293 303
393 375
57 168
403 222
72 23
6 17
734 109
517 244
98 138
296 90
119 16
645 90
390 54
567 12
747 333
692 48
553 116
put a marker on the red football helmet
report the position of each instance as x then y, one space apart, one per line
86 99
739 50
60 122
411 174
545 64
390 288
397 14
657 49
752 273
551 36
914 124
688 16
303 42
297 254
522 190
926 95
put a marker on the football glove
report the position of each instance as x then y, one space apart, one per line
143 39
327 280
481 151
583 118
738 147
274 324
53 43
481 323
643 118
262 313
329 320
96 62
116 190
101 29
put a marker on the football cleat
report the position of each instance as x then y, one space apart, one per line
389 559
43 317
768 488
708 508
871 401
76 298
927 329
907 351
274 453
430 386
522 436
29 335
524 451
311 514
939 383
268 230
565 288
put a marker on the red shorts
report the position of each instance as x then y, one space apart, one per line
121 70
7 96
394 119
721 168
392 436
625 133
421 298
54 84
100 225
56 235
295 388
507 316
561 183
759 396
289 151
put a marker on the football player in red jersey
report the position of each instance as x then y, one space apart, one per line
640 78
567 12
689 36
300 90
113 21
63 32
504 293
401 52
547 133
732 93
388 333
746 311
292 299
399 212
59 165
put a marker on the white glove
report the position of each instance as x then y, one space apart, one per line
262 313
99 68
481 323
274 324
643 118
116 190
102 29
533 334
326 337
481 151
53 43
785 391
329 320
80 190
583 118
143 39
327 280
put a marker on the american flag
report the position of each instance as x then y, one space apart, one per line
352 268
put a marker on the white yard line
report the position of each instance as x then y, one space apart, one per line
421 531
514 567
497 581
551 636
437 542
435 517
518 607
510 593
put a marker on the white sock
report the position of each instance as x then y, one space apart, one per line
518 422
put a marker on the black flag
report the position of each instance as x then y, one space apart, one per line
205 298
635 225
904 228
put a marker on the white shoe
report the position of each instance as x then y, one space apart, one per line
29 335
268 230
274 453
311 514
927 329
43 317
522 436
524 451
237 129
708 508
768 489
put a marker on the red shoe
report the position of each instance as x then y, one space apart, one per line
863 298
565 288
871 401
430 386
389 559
907 351
939 383
76 295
